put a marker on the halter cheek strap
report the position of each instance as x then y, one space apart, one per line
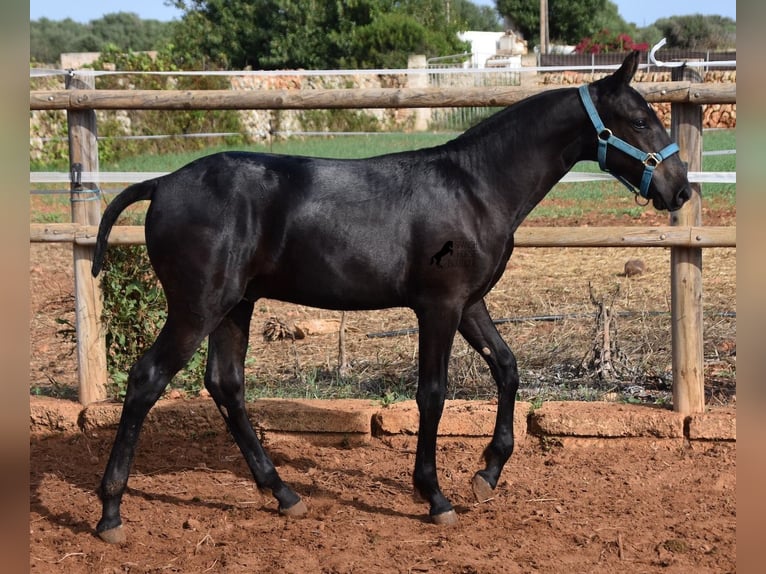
607 138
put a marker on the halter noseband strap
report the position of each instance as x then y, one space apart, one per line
607 138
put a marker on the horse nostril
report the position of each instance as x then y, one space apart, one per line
685 193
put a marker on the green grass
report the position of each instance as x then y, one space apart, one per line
50 209
49 217
366 146
347 147
572 198
719 139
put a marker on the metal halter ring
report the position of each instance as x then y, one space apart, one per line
637 195
651 160
605 134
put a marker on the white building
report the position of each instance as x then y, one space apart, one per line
494 49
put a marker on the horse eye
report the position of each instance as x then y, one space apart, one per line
640 124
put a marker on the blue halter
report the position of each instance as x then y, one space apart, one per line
607 138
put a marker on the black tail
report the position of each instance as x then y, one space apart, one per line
136 192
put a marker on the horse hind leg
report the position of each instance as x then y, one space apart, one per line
224 380
148 378
480 332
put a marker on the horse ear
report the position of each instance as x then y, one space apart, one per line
628 69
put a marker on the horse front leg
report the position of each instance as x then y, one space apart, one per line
436 334
225 380
478 329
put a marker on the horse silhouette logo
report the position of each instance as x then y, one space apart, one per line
436 258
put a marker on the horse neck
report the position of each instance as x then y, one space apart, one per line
524 150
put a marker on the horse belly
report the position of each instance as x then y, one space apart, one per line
325 291
333 279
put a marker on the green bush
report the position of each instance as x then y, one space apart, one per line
173 123
134 312
339 121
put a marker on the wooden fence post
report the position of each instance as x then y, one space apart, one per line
422 115
686 264
85 200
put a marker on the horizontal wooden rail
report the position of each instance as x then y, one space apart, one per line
674 92
665 236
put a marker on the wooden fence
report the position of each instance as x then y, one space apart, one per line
685 235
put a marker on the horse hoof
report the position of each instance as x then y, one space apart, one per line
481 488
115 535
296 510
445 518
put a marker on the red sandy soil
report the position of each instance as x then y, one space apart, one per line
622 506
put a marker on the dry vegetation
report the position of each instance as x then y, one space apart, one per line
544 305
545 309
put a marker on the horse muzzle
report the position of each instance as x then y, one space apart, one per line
676 202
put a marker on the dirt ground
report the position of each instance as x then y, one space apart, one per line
620 506
638 506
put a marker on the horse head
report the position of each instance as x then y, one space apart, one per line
631 142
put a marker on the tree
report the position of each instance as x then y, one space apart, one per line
48 39
569 21
129 32
147 122
315 34
398 29
698 32
389 39
473 17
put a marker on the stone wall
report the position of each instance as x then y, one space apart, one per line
354 422
261 124
713 115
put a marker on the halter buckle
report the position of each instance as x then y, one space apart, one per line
605 134
652 160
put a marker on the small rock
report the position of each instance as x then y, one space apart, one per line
317 327
727 347
634 267
192 524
